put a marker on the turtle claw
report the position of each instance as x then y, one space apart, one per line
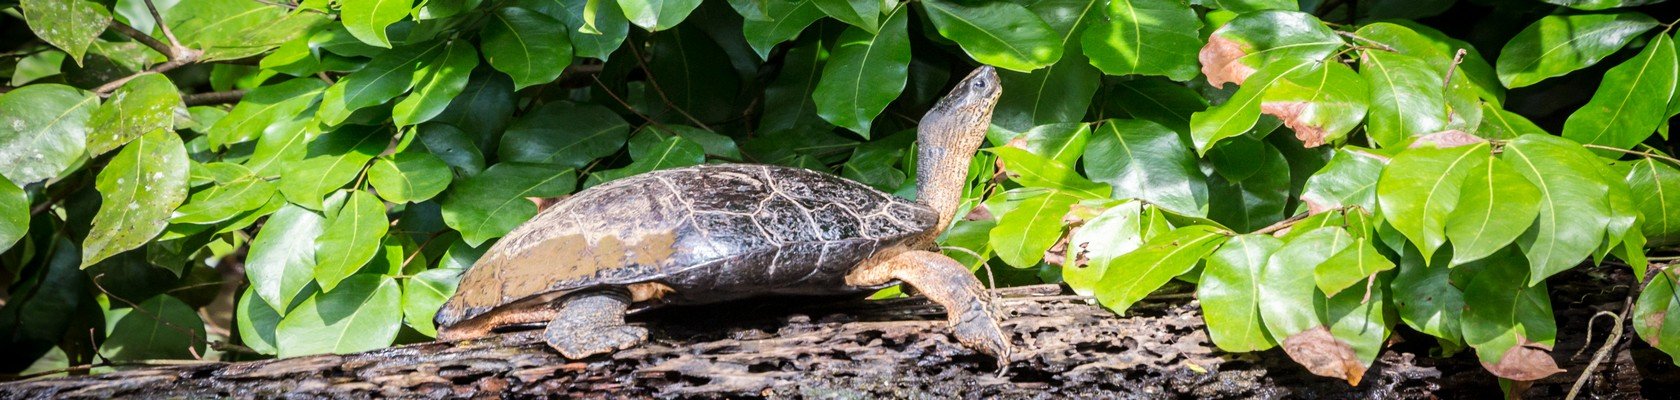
584 344
981 333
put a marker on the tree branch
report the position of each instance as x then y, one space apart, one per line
143 38
158 18
211 98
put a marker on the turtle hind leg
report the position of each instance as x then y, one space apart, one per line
949 283
592 323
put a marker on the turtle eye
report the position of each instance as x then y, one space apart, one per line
979 84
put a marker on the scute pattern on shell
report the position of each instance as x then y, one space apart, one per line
711 232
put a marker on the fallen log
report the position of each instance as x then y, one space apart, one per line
1066 348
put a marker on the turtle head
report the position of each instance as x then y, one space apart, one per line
947 138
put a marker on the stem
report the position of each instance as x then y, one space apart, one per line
204 99
143 38
1646 154
158 18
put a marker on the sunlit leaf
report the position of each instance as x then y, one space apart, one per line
490 204
864 73
351 237
1001 34
527 45
1144 160
43 130
367 19
1558 44
144 104
138 191
1149 37
1631 101
363 314
1158 261
1230 293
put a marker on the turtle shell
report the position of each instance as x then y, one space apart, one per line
710 232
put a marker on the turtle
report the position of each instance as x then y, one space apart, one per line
718 232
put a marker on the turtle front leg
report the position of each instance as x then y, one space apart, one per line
592 323
949 283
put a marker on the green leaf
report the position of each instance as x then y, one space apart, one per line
1321 102
657 15
282 257
142 105
1357 263
1439 51
43 131
1031 170
1659 184
1406 97
367 19
1001 34
861 14
1243 6
1158 100
14 213
1508 320
1559 44
160 328
71 25
334 160
1503 125
864 73
1093 246
1230 293
1427 298
609 28
483 109
138 190
389 74
351 238
424 293
1496 205
1254 41
230 194
786 20
490 204
653 152
409 177
234 29
1348 180
1631 102
1242 111
437 82
714 144
1652 314
1157 262
1058 93
1149 37
1256 201
1573 209
1287 291
1062 143
363 314
256 322
453 147
787 101
1418 190
1147 161
527 45
262 108
564 134
1025 232
1601 4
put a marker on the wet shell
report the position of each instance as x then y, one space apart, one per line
710 232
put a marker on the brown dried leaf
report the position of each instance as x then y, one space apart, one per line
1527 361
1654 323
1324 355
1219 61
1290 112
1447 139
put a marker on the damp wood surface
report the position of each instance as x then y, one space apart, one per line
847 348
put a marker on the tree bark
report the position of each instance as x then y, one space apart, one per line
1066 348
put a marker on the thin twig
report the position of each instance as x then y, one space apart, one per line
1646 154
108 87
1609 342
1446 84
158 18
1379 45
212 98
143 38
1281 225
623 103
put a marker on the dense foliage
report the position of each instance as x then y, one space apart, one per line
1326 172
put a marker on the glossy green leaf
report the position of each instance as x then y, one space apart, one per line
527 45
282 256
1406 98
484 107
1158 261
351 238
1147 161
144 104
1358 263
1500 124
564 134
363 314
1001 34
71 25
1348 180
786 20
138 190
1254 41
864 73
1658 184
1420 188
44 131
1058 93
787 100
1573 209
1631 102
262 108
1427 297
1242 111
1287 289
159 328
437 82
256 322
1026 231
1439 51
1496 205
1094 245
389 74
652 152
453 147
1029 169
861 14
1149 37
1508 320
1230 293
608 33
1601 4
367 19
1321 103
1559 44
14 213
409 177
334 159
715 144
1158 100
1063 143
657 15
1243 6
424 293
234 29
1654 316
226 197
490 204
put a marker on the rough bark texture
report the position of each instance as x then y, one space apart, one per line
888 349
